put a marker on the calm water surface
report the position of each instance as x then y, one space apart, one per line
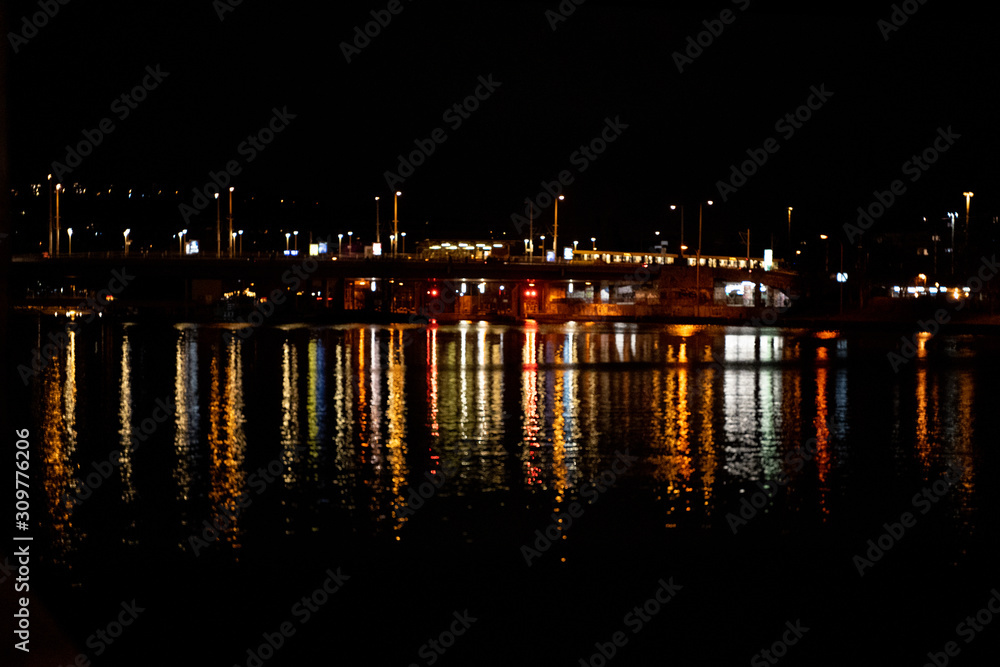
424 460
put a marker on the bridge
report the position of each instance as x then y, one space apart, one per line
643 286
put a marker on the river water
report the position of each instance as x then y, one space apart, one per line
548 479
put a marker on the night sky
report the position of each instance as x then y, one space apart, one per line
556 90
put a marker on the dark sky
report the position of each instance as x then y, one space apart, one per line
557 88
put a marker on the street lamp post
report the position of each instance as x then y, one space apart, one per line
951 217
58 230
340 241
50 215
826 253
218 226
698 264
543 247
574 249
378 228
127 241
231 188
180 241
69 231
402 236
965 245
395 220
296 234
593 240
350 243
240 234
555 231
287 238
789 233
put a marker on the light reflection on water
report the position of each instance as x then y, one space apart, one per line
357 415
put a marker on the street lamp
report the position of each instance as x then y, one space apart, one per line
968 196
673 207
126 240
789 231
395 219
378 229
180 241
69 231
697 269
951 217
593 239
340 241
350 243
231 188
50 215
574 249
218 226
403 239
287 237
555 233
58 190
296 234
526 247
240 233
826 252
543 247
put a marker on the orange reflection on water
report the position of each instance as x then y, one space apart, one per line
58 468
227 444
822 434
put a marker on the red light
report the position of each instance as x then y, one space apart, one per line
433 292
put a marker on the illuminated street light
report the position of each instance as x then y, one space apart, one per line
395 219
789 228
555 232
231 188
340 241
69 231
350 243
218 226
58 233
287 237
543 247
240 233
673 207
296 234
50 215
127 242
698 264
593 240
378 229
402 238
